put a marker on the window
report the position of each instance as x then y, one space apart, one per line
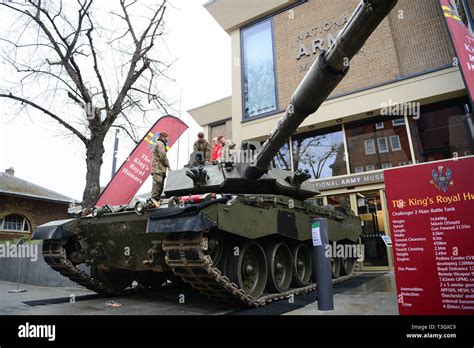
398 122
259 86
369 147
386 165
343 201
383 145
320 152
407 163
14 222
359 169
395 143
443 129
282 158
370 167
379 125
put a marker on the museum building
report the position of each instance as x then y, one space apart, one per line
403 102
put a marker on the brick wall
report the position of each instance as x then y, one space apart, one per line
35 211
420 38
407 42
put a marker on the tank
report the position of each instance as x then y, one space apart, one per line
237 231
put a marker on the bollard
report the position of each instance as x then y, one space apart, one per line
17 290
322 264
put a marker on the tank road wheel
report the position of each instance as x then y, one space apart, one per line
280 267
249 269
348 265
115 279
302 265
336 267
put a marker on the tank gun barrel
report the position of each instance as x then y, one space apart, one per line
322 78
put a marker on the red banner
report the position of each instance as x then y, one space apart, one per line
431 212
137 168
463 39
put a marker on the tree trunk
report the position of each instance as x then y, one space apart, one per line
94 153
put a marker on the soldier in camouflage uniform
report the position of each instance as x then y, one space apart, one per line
203 145
160 165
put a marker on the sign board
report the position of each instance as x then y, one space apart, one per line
387 240
137 168
349 181
457 16
316 232
431 213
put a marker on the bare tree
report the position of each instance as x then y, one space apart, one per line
61 53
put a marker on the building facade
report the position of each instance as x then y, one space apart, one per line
24 206
403 101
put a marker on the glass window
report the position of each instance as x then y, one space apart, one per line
14 223
398 122
359 169
395 143
386 165
282 159
322 153
370 167
365 151
340 201
369 147
383 146
259 86
443 130
379 125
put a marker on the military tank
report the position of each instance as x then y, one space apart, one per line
238 230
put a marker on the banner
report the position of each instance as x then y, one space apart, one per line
457 17
431 213
137 168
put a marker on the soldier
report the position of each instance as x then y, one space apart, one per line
228 151
159 165
203 145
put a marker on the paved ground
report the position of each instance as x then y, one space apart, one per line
370 294
375 297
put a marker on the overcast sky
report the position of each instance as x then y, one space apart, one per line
39 152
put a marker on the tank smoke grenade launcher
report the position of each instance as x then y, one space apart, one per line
236 231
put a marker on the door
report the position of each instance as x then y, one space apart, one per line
370 209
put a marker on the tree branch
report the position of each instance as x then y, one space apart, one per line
96 65
49 113
126 131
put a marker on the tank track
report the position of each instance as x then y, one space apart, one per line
54 254
186 255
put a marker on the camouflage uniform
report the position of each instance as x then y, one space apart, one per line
205 147
159 165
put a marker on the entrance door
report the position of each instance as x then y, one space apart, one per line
369 208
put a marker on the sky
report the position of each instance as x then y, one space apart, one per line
40 152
